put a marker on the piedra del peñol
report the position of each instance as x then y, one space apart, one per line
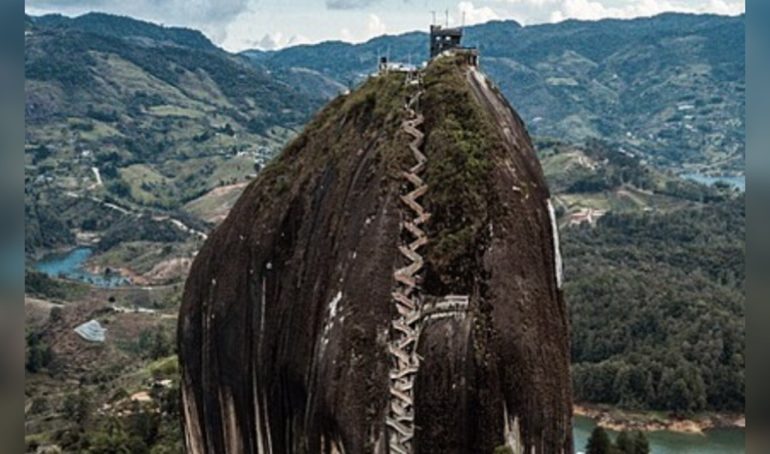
391 283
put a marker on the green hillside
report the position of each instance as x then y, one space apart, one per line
128 28
657 308
599 176
670 88
146 117
654 282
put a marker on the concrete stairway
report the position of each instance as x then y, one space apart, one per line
406 327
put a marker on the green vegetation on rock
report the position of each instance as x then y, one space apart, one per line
460 144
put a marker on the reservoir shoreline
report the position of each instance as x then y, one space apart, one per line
617 419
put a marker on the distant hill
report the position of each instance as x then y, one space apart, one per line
127 28
106 68
165 116
146 116
669 87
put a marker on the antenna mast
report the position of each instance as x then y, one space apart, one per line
447 16
433 12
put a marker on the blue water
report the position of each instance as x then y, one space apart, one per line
736 181
721 441
69 265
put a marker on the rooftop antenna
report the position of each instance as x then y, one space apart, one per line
463 24
447 16
433 12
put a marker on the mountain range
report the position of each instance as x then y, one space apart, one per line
161 119
669 88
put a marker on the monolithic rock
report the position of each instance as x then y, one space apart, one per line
360 298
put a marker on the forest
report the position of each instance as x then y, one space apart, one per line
657 308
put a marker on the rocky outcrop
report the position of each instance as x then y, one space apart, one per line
290 313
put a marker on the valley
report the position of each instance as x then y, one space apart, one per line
141 138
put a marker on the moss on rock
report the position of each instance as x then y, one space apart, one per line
460 145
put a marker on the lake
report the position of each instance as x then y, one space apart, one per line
70 265
736 181
720 441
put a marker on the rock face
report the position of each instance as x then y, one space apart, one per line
290 332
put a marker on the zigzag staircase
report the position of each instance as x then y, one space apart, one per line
408 324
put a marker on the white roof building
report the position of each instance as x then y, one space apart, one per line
92 331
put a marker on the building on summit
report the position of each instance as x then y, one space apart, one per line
449 39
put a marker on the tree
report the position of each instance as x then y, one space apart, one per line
145 423
161 346
632 443
78 408
113 439
640 443
170 400
624 443
120 188
155 343
599 442
56 315
38 353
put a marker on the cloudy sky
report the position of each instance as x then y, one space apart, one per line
267 24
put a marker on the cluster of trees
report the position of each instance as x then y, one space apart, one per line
106 116
38 354
40 285
690 190
40 153
142 228
144 428
155 343
620 169
63 60
126 426
626 443
43 224
119 188
657 308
